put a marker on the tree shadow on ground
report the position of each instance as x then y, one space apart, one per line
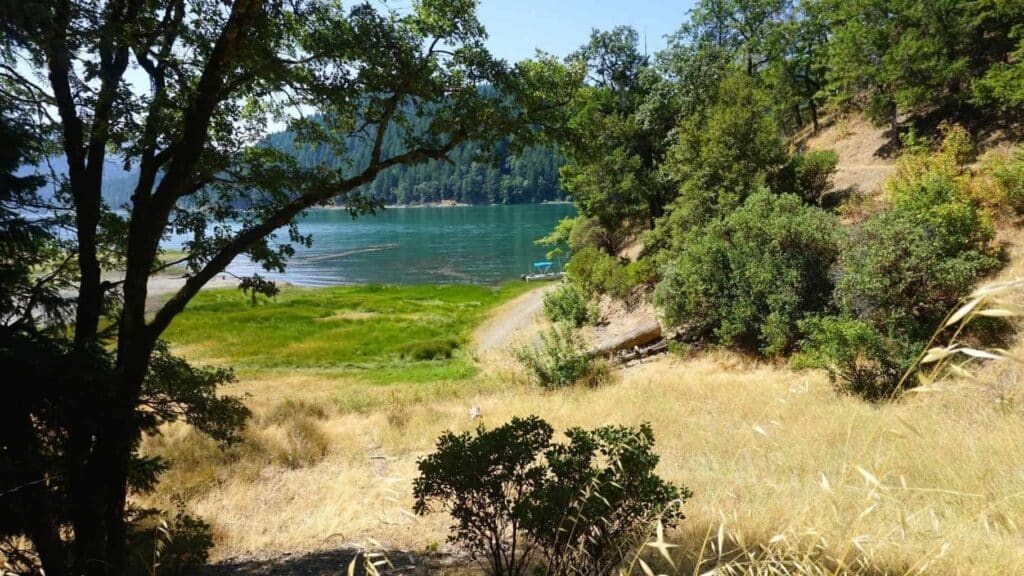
334 562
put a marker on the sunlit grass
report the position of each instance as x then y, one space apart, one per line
377 335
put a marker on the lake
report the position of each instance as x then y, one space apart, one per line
460 244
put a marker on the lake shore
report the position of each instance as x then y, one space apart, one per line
450 204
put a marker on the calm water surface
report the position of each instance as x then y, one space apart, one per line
471 244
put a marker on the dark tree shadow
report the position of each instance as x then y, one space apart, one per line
331 563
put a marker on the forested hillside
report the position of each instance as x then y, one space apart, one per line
530 176
698 155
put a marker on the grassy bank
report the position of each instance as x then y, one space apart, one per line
382 337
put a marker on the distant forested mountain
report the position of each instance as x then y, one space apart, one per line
529 176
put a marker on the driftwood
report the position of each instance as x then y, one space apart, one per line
642 335
639 353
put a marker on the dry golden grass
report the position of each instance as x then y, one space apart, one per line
788 478
935 482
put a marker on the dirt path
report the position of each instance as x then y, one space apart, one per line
511 321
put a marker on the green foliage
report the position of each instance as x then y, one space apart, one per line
859 359
168 547
485 482
597 272
813 174
720 156
601 499
749 277
906 267
510 177
1003 83
588 232
560 360
614 143
583 505
558 238
901 271
571 305
901 56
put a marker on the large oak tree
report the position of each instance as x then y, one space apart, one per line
185 91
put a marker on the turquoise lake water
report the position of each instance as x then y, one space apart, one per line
462 244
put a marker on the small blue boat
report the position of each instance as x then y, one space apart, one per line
543 271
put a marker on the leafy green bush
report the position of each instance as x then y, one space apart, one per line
859 359
813 173
513 494
571 305
598 272
906 267
748 278
901 271
601 498
561 360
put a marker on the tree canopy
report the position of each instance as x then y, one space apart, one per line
88 372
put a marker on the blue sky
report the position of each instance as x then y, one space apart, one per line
518 27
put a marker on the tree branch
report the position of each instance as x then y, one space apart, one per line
246 238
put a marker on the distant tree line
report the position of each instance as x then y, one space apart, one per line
469 176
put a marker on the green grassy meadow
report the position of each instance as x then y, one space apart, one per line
373 334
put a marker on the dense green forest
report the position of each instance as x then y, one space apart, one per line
467 177
529 176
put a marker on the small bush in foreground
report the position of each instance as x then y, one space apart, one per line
560 360
583 507
570 305
168 547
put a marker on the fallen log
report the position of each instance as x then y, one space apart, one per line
642 335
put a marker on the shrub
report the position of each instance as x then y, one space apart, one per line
561 360
901 271
859 359
1000 182
601 498
570 305
513 493
813 173
588 232
597 272
485 481
171 547
746 279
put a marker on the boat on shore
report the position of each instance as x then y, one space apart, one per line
542 271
